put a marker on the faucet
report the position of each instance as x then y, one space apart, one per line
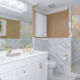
28 46
22 47
9 49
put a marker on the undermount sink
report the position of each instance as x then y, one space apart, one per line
13 54
4 55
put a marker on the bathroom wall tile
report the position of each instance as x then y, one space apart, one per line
57 48
75 50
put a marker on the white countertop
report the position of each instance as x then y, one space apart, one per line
4 59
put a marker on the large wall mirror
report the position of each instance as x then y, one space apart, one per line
15 23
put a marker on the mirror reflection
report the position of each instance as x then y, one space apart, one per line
15 24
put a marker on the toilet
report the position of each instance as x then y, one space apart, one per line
51 66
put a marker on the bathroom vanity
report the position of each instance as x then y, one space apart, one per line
28 66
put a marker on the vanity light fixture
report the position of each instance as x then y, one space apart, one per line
14 5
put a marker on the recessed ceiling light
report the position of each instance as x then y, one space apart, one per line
14 5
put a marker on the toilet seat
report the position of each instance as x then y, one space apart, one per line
51 66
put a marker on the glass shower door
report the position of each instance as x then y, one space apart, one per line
76 40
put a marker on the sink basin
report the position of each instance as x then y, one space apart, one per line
12 55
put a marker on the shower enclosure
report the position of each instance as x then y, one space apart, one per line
76 40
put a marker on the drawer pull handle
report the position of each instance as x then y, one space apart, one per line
41 65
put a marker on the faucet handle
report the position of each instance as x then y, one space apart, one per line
9 48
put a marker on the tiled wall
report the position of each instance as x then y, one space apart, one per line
56 48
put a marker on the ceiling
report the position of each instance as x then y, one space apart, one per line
9 14
43 6
56 5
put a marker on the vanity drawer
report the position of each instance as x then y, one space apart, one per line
24 71
11 67
17 74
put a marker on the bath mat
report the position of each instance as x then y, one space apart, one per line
77 79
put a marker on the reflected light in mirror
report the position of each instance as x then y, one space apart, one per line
14 5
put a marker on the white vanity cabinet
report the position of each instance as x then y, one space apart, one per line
18 74
31 68
40 25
